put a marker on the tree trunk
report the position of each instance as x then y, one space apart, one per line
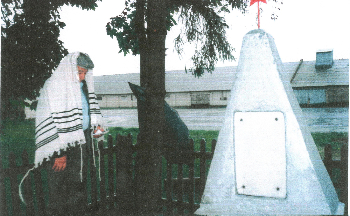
152 77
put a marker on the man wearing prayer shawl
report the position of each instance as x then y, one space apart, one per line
66 115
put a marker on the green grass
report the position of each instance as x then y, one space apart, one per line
208 136
17 136
196 135
335 139
123 131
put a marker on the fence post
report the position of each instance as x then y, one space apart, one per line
202 167
124 175
93 179
328 161
102 203
39 188
110 173
135 171
180 188
191 193
129 177
213 146
344 177
14 185
120 158
167 186
27 186
3 206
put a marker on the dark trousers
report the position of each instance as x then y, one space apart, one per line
67 190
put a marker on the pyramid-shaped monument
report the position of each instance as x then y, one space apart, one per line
266 161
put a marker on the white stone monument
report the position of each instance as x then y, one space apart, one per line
266 161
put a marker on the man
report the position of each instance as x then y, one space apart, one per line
66 113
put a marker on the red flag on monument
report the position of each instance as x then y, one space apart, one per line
252 2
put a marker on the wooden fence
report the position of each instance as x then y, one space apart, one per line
112 190
183 193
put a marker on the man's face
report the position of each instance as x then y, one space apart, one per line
82 72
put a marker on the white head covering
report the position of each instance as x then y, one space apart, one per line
59 111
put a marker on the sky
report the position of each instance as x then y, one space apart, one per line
302 28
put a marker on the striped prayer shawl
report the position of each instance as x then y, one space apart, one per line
59 110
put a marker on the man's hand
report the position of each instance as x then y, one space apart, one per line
98 131
60 164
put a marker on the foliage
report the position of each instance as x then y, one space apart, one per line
205 26
202 22
30 47
123 27
17 136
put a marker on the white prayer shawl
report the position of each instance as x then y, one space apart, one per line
59 110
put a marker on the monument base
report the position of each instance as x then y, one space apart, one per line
252 205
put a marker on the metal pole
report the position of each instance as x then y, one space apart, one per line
258 15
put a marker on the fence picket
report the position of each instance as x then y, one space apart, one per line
16 208
167 185
328 161
213 146
128 201
180 189
191 195
123 186
123 192
119 162
27 186
39 189
344 177
3 205
94 178
103 177
110 174
202 167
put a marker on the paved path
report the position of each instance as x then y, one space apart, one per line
318 119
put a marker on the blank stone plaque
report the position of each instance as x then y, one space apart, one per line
260 154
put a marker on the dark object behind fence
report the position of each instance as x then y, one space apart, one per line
183 182
176 134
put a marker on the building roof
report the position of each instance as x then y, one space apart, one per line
308 76
222 78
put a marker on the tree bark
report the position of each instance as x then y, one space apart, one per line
152 77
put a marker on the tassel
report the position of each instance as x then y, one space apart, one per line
99 164
81 164
93 148
20 185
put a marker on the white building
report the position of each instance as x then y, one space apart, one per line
313 87
327 85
